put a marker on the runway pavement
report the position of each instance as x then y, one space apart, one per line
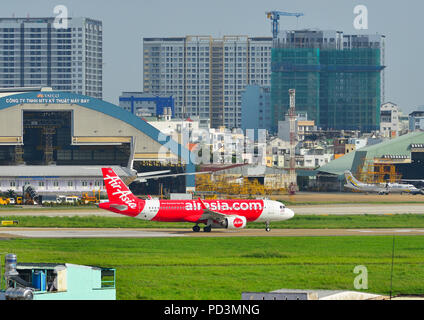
359 209
333 209
13 232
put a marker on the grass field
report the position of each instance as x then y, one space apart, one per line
297 222
222 268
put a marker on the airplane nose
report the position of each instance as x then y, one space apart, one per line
290 213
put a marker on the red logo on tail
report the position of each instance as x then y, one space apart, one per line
117 191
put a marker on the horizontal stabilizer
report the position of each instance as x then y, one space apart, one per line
120 207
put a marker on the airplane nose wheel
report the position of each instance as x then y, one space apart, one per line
267 228
196 228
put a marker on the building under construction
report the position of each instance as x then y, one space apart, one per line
338 78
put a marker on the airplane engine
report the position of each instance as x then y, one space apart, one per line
235 222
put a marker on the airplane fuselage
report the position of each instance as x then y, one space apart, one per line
192 211
383 188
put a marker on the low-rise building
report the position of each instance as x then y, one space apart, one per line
174 127
315 156
60 281
303 127
358 142
389 120
416 120
64 180
144 104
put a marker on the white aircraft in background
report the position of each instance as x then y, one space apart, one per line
380 188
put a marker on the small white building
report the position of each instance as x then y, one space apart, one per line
312 155
63 180
358 142
416 119
225 144
389 120
174 127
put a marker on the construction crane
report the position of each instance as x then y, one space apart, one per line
275 16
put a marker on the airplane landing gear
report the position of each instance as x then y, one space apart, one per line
207 228
196 228
267 228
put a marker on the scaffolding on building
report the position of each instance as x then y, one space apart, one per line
374 172
339 89
229 185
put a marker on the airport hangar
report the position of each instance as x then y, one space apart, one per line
57 142
388 161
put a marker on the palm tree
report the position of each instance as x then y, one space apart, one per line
11 194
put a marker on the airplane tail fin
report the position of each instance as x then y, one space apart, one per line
350 179
118 193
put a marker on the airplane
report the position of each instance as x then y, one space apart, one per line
380 188
229 214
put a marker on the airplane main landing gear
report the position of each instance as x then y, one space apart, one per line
207 228
196 228
267 228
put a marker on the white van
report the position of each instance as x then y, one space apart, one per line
67 199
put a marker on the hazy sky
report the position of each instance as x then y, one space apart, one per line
126 22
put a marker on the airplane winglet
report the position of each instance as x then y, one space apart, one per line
149 196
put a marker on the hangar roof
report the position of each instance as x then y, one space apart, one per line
399 146
58 97
44 97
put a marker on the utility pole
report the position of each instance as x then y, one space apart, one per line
293 139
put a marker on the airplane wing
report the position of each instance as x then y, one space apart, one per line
207 213
146 174
143 179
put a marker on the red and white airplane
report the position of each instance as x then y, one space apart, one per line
229 214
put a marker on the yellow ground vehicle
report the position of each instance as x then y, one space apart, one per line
18 200
87 199
4 201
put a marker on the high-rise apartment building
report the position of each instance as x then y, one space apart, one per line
339 78
205 75
36 52
256 108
